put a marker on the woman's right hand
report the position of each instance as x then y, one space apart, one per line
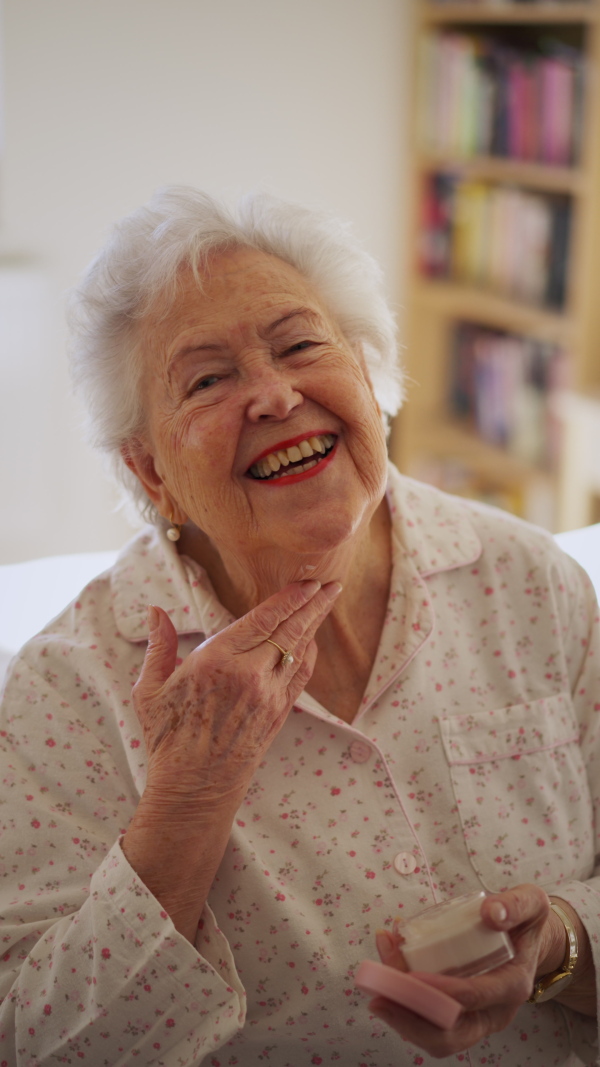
208 723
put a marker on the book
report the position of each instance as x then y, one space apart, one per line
505 387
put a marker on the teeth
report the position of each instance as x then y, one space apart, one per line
270 466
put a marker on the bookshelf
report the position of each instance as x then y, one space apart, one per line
502 174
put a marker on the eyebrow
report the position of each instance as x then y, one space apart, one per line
187 350
290 315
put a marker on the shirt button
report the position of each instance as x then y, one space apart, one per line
405 863
360 751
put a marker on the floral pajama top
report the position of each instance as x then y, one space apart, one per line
473 762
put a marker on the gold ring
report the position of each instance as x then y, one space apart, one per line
286 657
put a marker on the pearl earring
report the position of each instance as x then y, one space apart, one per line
174 531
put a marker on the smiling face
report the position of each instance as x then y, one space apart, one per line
262 428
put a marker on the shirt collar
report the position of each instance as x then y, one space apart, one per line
432 529
149 570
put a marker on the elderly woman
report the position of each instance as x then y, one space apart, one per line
353 696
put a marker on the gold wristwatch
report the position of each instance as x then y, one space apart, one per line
550 985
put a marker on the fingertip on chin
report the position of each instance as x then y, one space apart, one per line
309 586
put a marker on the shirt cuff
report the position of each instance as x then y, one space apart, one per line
198 987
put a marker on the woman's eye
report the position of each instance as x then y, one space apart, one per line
300 346
205 383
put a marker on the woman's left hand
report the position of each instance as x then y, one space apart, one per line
490 1001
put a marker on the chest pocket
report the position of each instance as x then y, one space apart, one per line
522 793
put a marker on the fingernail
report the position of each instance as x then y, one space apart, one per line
333 589
497 912
310 586
385 945
153 619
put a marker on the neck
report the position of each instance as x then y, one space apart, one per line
241 584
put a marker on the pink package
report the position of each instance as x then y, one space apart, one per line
410 992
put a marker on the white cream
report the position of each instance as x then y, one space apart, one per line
451 938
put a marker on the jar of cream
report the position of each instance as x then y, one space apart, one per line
451 938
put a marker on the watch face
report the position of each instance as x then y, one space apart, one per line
555 987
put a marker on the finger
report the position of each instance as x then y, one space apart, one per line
303 672
468 1029
161 654
388 947
301 627
296 634
263 620
520 908
522 913
507 986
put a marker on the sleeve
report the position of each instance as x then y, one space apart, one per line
91 966
579 623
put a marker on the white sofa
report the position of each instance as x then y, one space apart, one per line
34 592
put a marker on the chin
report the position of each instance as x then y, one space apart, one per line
324 531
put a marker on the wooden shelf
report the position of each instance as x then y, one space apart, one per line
507 13
569 180
427 434
450 439
478 305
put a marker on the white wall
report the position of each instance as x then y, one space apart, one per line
104 102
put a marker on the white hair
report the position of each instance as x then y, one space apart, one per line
139 269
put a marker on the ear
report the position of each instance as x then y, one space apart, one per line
140 461
359 351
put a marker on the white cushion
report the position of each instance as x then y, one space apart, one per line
33 592
584 546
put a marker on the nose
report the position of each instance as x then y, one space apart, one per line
272 396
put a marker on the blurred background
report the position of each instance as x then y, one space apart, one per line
461 140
